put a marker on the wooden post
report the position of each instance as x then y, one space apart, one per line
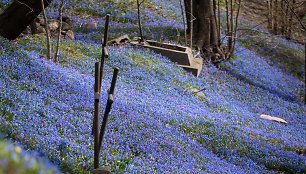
17 16
95 128
104 49
110 101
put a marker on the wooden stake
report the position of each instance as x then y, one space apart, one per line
104 49
110 101
96 121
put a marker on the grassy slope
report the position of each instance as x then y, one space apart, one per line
156 124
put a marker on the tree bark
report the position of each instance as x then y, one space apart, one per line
213 27
203 18
276 13
205 33
16 17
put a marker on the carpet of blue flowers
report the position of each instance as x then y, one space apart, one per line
157 125
14 159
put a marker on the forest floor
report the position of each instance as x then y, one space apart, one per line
157 124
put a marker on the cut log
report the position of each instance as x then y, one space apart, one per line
17 16
268 117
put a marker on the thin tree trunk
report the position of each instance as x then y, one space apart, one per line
283 18
184 23
47 30
236 27
219 24
56 59
275 26
269 15
227 21
213 26
289 26
272 15
218 35
191 23
230 36
139 20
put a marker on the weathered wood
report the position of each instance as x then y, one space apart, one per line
108 108
96 121
104 50
17 16
276 119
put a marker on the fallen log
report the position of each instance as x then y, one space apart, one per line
18 15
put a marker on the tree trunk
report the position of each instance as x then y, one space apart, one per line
276 13
213 27
283 18
16 17
204 26
203 19
188 14
269 15
290 20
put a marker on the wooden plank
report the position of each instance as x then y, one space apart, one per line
268 117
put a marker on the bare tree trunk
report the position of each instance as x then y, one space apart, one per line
139 20
219 24
276 13
184 23
230 36
23 11
236 27
60 11
290 19
283 18
214 22
188 14
213 27
269 15
191 23
49 56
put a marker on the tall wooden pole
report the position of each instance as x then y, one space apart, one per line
110 101
96 121
104 49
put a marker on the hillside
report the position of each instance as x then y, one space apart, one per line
157 123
